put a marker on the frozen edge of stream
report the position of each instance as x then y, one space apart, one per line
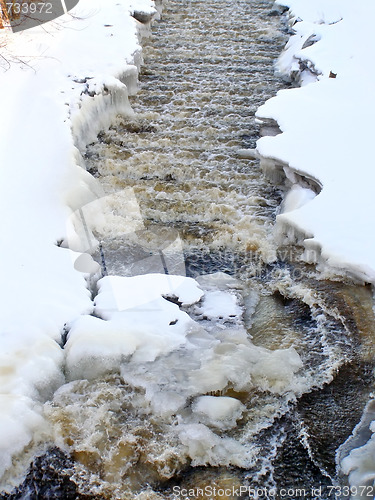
71 90
318 147
316 144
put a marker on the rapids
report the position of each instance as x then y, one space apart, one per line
296 354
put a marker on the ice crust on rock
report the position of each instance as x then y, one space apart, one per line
204 446
223 412
356 457
73 80
326 134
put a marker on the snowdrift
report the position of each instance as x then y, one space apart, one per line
325 144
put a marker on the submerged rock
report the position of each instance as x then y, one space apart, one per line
49 477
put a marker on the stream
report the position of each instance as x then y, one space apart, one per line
177 185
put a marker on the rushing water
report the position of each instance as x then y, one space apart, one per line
208 66
207 69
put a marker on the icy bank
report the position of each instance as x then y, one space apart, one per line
356 457
60 84
327 136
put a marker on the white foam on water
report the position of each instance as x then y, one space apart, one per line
21 418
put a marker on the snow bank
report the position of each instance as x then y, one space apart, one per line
326 137
60 84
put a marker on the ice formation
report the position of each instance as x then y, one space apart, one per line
356 457
326 137
177 362
135 322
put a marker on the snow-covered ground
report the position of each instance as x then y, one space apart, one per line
327 135
60 84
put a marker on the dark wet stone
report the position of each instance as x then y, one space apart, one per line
293 470
331 413
142 17
49 478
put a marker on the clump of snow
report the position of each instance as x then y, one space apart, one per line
60 84
220 305
296 197
327 131
141 291
222 301
141 324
